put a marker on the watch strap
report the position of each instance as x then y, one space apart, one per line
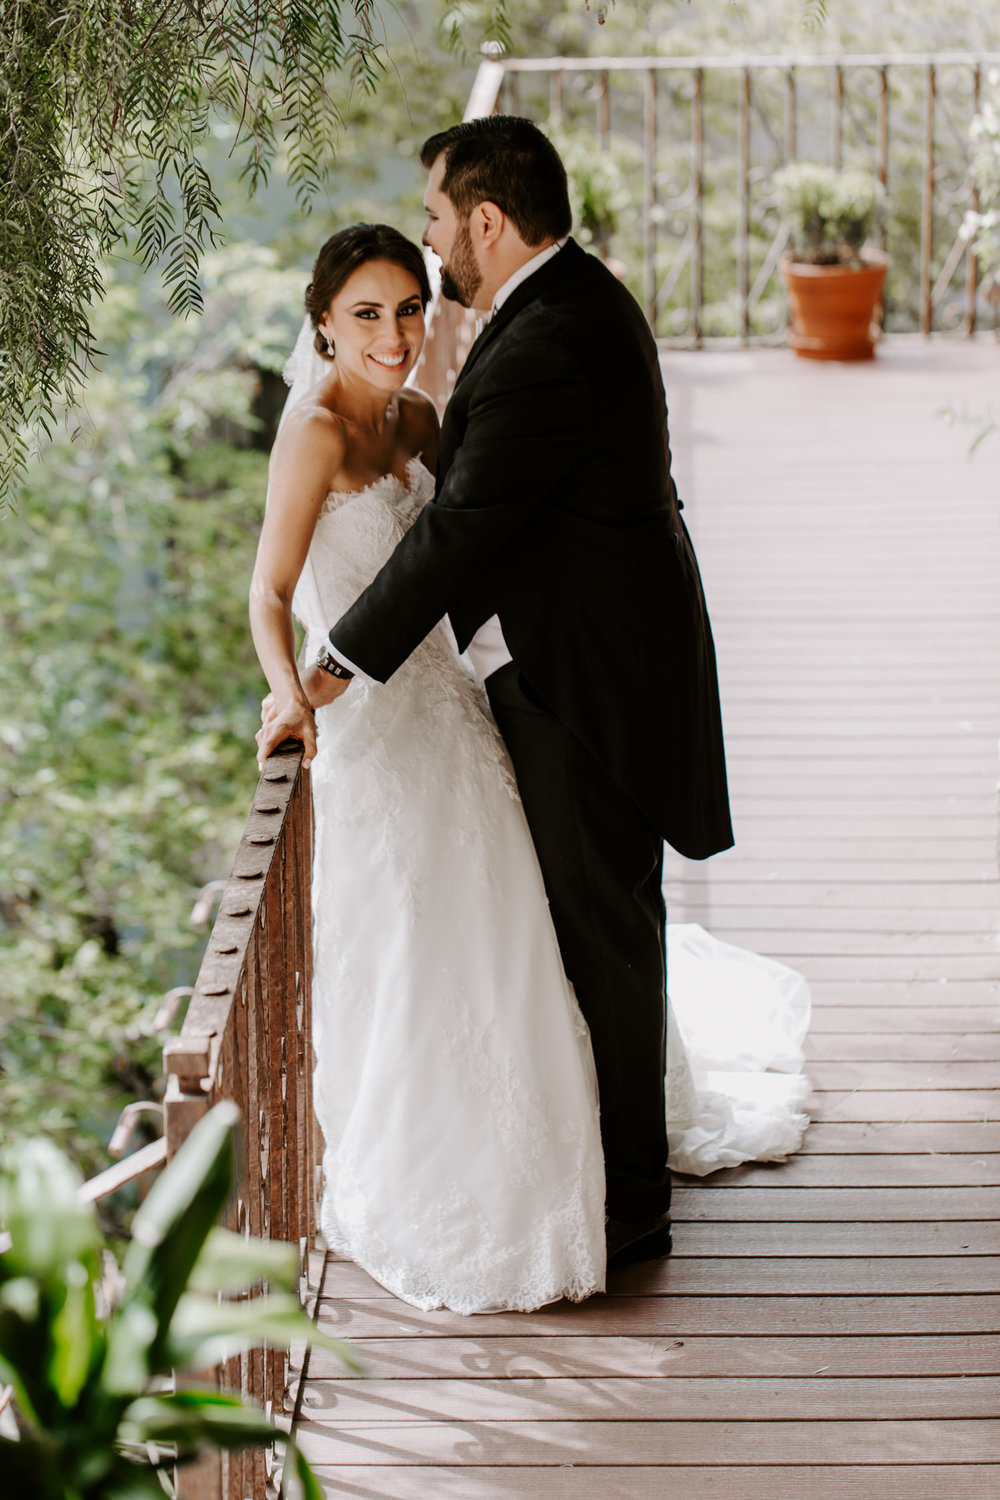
330 664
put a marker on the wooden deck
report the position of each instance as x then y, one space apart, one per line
830 1327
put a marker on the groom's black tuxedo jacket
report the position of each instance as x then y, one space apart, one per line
556 510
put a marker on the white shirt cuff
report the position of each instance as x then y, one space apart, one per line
346 662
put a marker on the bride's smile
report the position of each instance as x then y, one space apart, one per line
376 326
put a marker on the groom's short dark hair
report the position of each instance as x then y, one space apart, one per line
504 160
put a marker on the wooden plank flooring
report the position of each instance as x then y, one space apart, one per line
829 1327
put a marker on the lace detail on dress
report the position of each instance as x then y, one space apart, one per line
454 1081
435 690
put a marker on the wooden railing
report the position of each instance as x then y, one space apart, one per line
247 1036
695 140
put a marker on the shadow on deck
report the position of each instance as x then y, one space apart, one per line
827 1327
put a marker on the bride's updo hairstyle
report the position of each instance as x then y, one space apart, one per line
348 250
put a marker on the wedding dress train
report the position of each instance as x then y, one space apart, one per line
736 1022
454 1080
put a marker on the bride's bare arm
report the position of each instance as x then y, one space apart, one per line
306 458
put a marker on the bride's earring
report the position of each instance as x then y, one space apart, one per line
329 346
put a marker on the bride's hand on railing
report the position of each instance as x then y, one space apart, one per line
291 719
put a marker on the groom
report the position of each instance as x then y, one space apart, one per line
555 546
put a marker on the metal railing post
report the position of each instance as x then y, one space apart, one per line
698 206
927 208
972 264
882 170
791 113
743 212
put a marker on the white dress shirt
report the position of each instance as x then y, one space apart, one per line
487 651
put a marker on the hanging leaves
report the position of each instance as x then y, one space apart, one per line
104 111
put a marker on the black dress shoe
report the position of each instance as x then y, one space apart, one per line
637 1239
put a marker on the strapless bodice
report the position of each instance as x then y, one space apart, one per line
356 532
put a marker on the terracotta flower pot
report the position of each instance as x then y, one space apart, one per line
835 309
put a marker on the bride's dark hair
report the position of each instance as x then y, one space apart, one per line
351 248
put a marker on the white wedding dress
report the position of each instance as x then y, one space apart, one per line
454 1080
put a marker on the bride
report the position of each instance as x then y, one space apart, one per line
462 1166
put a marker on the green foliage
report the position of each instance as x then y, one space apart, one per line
600 191
105 113
468 25
829 214
983 226
813 14
129 692
89 1352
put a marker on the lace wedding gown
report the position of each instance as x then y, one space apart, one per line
454 1080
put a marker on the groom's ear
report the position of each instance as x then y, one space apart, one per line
489 222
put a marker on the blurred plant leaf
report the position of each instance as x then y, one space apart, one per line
171 1227
205 1332
231 1263
22 1346
192 1417
76 1340
139 1485
131 1335
47 1223
302 1477
94 1419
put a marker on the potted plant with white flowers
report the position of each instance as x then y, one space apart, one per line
834 279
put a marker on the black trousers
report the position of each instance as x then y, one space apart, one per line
602 864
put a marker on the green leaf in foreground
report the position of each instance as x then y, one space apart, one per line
94 1416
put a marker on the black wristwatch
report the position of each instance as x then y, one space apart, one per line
332 665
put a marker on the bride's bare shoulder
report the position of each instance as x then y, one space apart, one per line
311 436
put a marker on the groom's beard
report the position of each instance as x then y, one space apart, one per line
461 278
